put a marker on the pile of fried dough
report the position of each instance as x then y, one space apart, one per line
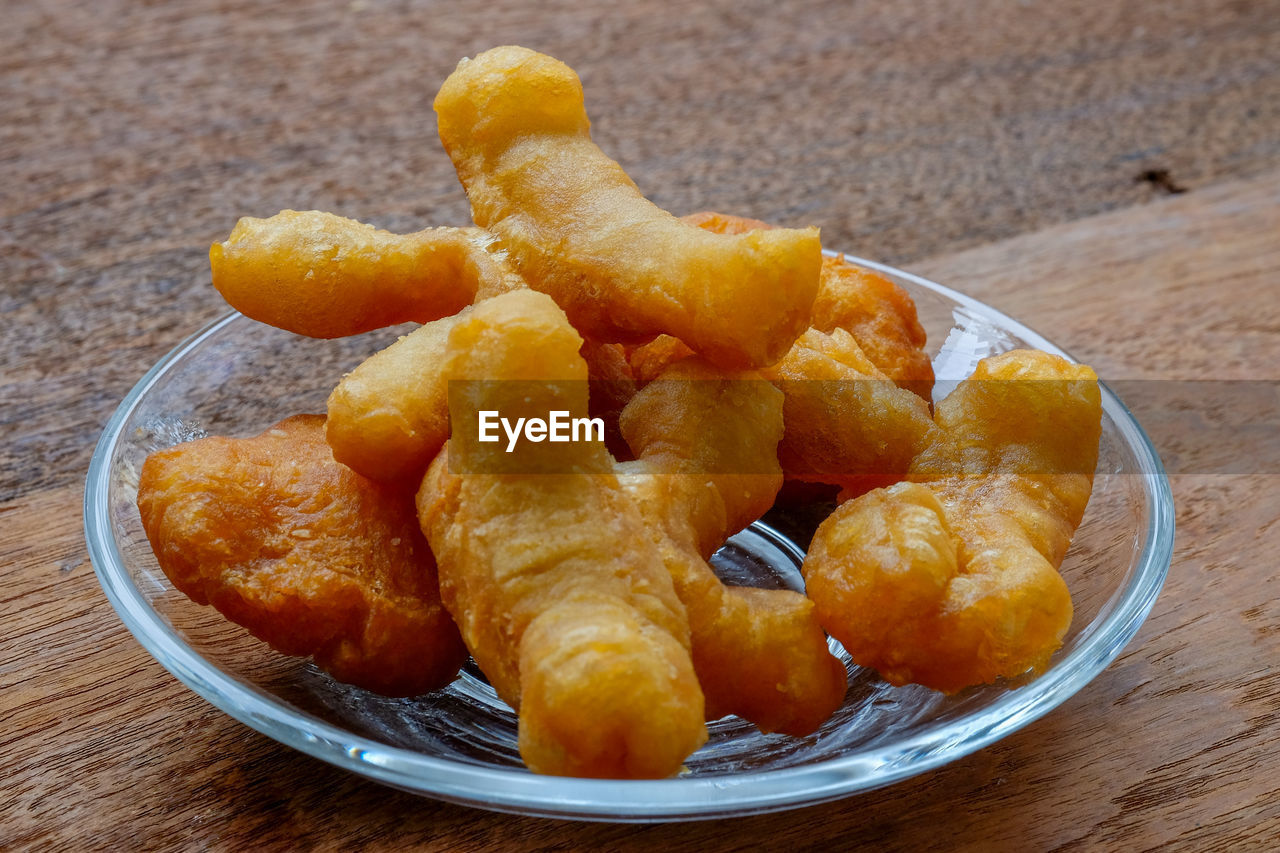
387 541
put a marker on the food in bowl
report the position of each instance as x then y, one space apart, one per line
579 579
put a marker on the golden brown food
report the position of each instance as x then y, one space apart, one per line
880 316
611 385
577 228
846 422
648 360
306 554
951 579
580 584
559 591
713 435
389 417
725 223
325 276
878 313
706 467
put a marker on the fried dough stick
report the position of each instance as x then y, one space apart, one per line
846 422
559 591
849 421
610 387
880 316
389 417
878 313
950 579
707 467
577 228
325 276
306 554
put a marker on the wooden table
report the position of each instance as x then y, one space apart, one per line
1109 173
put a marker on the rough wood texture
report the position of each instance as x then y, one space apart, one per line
134 134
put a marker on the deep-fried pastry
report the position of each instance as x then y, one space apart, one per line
846 422
326 276
878 313
576 226
611 385
706 467
951 579
389 417
309 556
559 592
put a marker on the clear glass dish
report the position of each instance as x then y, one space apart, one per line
236 377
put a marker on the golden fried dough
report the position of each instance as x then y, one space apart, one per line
559 591
706 467
846 422
648 360
714 433
951 579
577 228
309 556
611 385
724 223
325 276
389 417
878 313
880 316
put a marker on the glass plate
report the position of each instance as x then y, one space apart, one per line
236 377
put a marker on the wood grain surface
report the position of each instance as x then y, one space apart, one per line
1107 172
